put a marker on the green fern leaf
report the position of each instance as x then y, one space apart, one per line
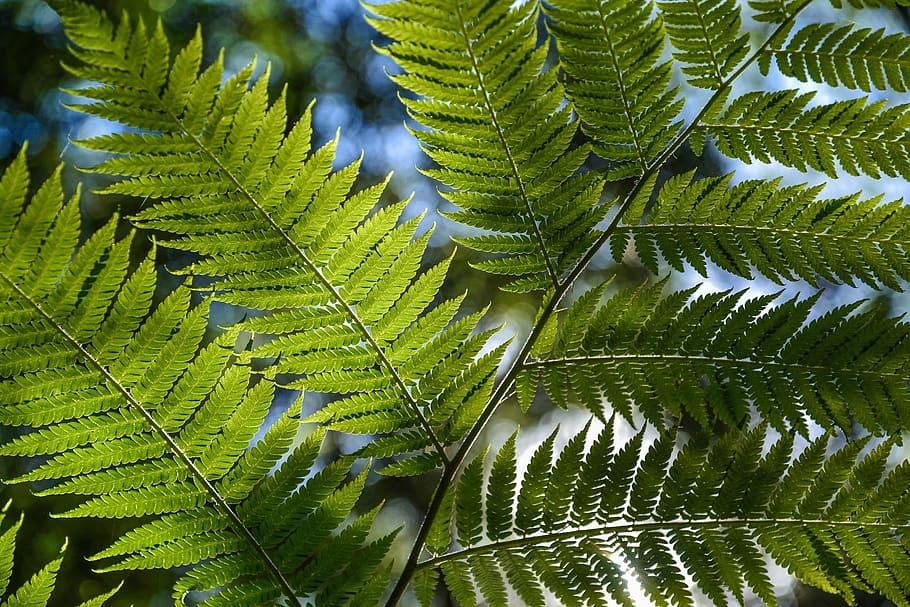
708 38
844 56
860 137
498 130
147 422
782 233
707 513
637 352
625 103
350 310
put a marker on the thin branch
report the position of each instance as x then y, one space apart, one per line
630 527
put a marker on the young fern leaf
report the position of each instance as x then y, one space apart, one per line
638 352
860 137
708 38
611 51
704 518
498 128
279 232
131 413
37 591
844 56
782 233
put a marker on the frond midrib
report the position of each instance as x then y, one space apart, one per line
500 133
622 526
626 103
714 360
762 128
197 474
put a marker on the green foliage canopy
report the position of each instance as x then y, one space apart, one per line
141 410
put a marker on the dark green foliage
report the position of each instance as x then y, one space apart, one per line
638 352
832 519
37 591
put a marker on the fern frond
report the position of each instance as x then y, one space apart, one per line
349 309
611 51
130 411
497 126
843 56
782 233
36 592
708 38
638 350
852 136
703 518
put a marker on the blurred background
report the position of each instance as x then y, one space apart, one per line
322 49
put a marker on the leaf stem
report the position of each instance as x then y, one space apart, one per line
629 527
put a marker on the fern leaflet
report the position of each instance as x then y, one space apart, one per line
499 130
783 233
575 526
637 351
844 56
863 138
708 38
611 51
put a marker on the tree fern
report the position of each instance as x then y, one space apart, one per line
137 412
280 233
132 414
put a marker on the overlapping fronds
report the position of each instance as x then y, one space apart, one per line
497 125
37 591
618 84
708 38
129 411
582 525
850 136
281 233
639 350
782 233
857 58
